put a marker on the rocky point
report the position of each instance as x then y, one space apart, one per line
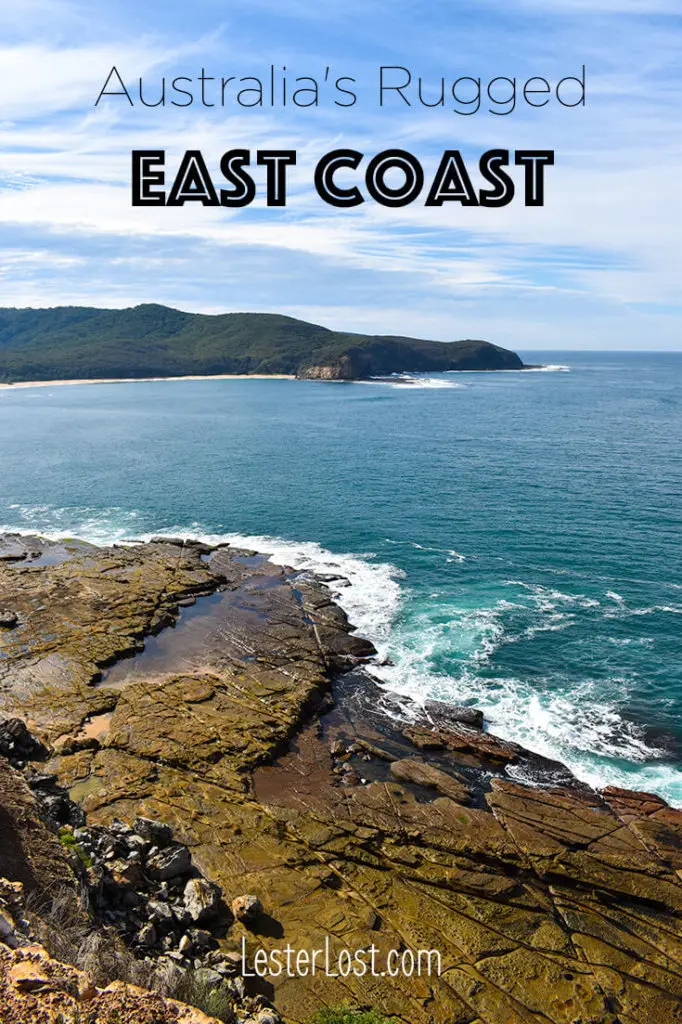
207 749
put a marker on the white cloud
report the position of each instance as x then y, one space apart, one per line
607 237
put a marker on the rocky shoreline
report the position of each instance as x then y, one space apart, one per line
227 698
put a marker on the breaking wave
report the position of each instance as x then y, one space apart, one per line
441 648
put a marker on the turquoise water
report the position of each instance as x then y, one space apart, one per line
511 540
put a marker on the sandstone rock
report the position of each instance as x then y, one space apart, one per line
29 977
155 832
34 972
202 900
546 903
35 989
478 746
169 863
246 908
423 774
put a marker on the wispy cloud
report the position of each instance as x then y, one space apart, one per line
600 259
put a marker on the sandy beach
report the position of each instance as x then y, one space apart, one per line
140 380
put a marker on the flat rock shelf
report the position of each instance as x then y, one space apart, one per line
228 697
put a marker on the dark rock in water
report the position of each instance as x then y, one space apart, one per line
353 647
442 713
8 620
374 751
16 742
169 863
155 832
246 908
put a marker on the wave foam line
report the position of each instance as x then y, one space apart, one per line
413 383
582 729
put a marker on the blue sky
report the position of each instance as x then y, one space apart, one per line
597 267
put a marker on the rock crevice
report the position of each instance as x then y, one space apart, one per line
253 729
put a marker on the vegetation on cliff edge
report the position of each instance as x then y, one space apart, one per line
150 340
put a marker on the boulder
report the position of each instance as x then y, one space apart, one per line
169 863
160 913
200 938
442 713
147 935
246 908
155 832
202 900
7 932
125 873
17 742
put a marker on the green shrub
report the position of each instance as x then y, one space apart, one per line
215 1001
66 839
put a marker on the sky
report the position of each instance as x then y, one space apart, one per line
597 267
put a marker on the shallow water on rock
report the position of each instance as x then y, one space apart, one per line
513 541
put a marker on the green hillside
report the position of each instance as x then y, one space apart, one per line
156 341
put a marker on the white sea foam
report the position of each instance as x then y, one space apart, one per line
452 556
583 728
406 380
550 368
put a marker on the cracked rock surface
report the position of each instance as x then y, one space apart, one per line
214 691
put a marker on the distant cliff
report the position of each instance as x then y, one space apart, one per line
380 356
156 341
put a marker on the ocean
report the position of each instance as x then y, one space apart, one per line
507 540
